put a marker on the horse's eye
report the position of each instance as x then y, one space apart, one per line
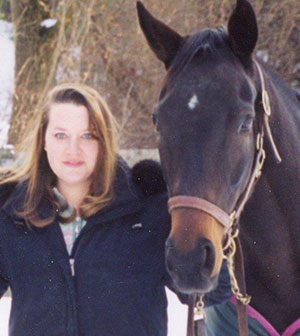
246 126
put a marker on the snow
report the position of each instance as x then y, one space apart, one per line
177 315
176 311
7 64
263 54
4 314
48 23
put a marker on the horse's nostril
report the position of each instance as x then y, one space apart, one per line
209 256
189 276
178 262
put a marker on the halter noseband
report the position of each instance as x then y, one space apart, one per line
200 204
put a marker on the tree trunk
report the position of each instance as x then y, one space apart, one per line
34 47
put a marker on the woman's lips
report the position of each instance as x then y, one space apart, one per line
74 164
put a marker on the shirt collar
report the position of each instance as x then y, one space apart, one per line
62 201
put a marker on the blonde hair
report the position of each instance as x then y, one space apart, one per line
35 168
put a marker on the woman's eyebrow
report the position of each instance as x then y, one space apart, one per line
60 128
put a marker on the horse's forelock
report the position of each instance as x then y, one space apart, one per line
207 40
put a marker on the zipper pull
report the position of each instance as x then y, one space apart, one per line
72 261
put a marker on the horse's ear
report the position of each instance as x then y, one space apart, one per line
163 41
242 29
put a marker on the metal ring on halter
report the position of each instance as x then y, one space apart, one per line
199 309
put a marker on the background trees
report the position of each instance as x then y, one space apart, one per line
34 59
99 42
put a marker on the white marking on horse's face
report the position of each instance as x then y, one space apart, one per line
193 102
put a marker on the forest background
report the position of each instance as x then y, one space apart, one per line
99 42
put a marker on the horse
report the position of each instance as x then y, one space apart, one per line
219 108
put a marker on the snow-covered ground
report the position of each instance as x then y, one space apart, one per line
4 314
176 311
7 63
177 316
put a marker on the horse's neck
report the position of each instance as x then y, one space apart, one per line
270 223
285 117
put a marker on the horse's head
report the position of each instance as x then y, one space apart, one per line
205 119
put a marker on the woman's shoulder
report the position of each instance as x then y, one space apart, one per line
5 192
12 196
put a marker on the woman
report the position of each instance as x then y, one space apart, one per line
81 246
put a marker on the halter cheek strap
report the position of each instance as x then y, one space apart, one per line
267 112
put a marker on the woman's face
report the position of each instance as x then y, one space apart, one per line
72 150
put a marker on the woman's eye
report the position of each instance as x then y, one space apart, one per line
60 136
247 124
88 136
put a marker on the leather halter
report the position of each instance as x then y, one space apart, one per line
184 201
231 221
200 204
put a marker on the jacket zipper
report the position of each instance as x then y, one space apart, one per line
72 261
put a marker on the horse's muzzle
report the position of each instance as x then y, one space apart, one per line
192 272
194 250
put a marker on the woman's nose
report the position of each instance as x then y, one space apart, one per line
73 146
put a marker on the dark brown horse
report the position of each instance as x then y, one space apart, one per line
207 118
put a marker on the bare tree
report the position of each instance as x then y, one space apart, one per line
34 54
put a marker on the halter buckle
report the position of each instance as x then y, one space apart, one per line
266 103
261 160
